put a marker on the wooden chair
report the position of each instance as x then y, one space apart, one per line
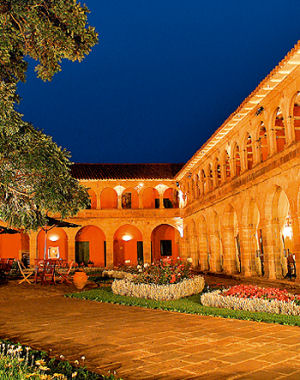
45 271
25 272
63 271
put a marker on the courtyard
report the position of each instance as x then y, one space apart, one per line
141 343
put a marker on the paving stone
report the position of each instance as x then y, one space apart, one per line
147 344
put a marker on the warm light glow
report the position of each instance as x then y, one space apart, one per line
54 238
287 231
126 237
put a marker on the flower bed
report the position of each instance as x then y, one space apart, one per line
254 298
185 288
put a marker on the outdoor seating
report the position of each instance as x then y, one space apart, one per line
45 271
63 270
25 272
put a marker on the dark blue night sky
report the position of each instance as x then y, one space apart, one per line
164 76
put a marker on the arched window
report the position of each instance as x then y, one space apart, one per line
249 153
279 131
204 181
237 160
296 114
263 143
227 165
210 178
218 173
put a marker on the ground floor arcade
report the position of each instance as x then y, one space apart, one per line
101 244
254 232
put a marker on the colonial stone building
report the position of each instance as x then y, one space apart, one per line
233 207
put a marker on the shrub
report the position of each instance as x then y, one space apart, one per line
253 298
165 272
167 292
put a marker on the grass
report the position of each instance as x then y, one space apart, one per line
189 305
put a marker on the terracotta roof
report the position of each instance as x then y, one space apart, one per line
125 171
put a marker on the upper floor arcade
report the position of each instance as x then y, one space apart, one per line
260 136
127 188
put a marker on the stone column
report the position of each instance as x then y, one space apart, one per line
119 201
268 246
229 254
147 247
161 200
247 253
98 197
71 233
272 139
109 251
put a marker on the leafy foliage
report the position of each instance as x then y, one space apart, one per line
190 305
35 176
165 271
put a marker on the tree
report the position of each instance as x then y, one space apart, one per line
35 176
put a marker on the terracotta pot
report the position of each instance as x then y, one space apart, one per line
80 280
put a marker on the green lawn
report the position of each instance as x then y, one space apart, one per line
190 305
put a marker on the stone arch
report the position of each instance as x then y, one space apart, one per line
253 252
53 244
165 241
281 218
109 198
90 245
171 198
93 199
128 245
130 199
277 213
150 198
14 246
280 131
231 241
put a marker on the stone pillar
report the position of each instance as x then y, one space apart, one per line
268 246
290 130
229 254
161 200
109 251
33 247
247 251
71 233
243 160
119 201
98 197
147 247
140 199
272 139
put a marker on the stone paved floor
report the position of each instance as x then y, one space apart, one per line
147 344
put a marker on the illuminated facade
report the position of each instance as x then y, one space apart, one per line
232 208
